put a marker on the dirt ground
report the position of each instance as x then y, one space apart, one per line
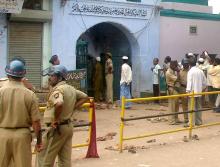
169 150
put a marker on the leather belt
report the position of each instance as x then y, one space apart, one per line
64 122
15 127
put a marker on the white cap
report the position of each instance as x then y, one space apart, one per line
125 57
98 59
206 53
190 54
201 60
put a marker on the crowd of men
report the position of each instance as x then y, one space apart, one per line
19 106
192 74
100 94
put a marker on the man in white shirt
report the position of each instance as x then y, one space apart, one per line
125 82
155 70
196 82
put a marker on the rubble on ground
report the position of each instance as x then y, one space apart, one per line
151 141
108 136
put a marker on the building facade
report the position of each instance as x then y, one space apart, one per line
28 35
139 29
188 26
120 27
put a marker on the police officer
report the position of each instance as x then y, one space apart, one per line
172 80
18 111
62 101
109 78
182 89
24 80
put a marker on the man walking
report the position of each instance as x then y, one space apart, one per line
125 82
63 100
18 111
196 82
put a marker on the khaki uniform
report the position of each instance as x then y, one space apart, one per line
109 80
214 73
3 81
59 143
171 79
18 109
182 90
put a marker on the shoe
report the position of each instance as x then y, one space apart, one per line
178 121
174 123
216 109
186 126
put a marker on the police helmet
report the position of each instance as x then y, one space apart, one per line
58 70
16 68
185 61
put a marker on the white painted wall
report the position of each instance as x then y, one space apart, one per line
143 35
3 44
175 39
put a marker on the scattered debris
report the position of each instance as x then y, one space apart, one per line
156 109
111 148
151 141
108 136
158 119
195 137
185 139
163 144
131 148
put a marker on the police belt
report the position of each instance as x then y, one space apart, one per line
15 127
64 122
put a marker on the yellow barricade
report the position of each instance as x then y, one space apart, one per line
190 128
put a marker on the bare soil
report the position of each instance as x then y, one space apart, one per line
169 150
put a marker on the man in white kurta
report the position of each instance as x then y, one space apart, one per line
125 82
196 82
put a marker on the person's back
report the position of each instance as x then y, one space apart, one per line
18 111
196 79
17 103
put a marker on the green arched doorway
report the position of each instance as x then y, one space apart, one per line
102 38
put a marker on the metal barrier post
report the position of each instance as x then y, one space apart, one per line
192 108
91 100
122 123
